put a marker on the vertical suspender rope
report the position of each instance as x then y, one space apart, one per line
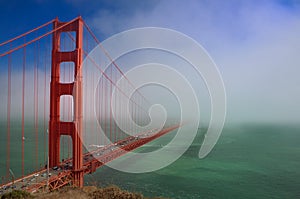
64 115
69 111
8 115
36 60
115 108
63 107
23 107
99 106
105 111
70 103
44 111
85 98
93 132
110 111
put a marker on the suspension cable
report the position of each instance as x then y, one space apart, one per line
26 33
37 38
110 58
105 75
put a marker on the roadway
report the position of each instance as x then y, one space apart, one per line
62 175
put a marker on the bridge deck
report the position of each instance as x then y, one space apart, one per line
62 175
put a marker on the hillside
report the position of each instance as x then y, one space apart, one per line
88 192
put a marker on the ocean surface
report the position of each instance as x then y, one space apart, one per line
249 161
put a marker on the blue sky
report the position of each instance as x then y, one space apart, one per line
20 16
255 44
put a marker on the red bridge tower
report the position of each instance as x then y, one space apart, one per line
74 89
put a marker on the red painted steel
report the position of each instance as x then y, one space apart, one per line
111 60
81 163
23 108
90 164
57 89
26 33
8 115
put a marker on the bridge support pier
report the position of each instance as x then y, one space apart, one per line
74 89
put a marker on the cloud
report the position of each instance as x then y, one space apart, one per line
254 43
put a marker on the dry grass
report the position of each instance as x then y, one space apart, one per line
91 192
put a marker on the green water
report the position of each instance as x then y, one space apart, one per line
249 161
16 150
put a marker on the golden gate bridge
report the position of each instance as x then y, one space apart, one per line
38 151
